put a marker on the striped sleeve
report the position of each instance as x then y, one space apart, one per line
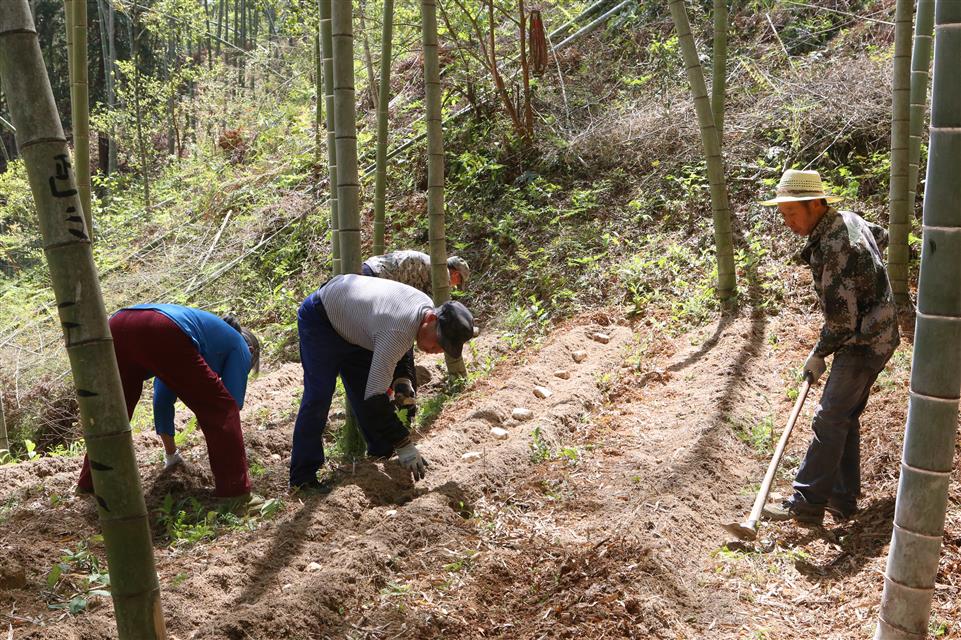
389 348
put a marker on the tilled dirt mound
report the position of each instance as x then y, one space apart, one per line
597 517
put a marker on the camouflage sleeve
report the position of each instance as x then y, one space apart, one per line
880 235
839 302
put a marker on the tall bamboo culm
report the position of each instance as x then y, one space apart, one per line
899 223
719 68
79 103
929 438
920 67
4 439
326 49
103 413
723 238
439 276
348 180
383 102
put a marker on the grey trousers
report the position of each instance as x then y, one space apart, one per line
831 469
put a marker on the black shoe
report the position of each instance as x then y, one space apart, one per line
312 487
841 512
795 510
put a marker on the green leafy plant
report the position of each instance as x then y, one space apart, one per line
77 578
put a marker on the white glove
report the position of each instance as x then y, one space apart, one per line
814 366
172 460
410 458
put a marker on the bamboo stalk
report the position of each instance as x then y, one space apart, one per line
723 238
929 440
437 237
4 438
326 47
383 103
719 75
920 67
123 515
899 224
80 108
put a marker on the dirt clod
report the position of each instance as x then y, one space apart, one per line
471 456
603 338
563 374
579 356
12 575
314 567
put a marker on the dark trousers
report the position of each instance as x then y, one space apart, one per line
831 469
147 344
324 355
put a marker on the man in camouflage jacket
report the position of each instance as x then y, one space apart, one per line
860 330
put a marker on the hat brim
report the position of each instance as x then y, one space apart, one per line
779 199
455 351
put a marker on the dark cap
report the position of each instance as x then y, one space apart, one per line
455 326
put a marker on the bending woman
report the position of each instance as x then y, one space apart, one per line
200 358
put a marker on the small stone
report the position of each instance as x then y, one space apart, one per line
499 433
471 456
390 513
287 587
521 414
314 567
579 356
563 374
543 392
275 456
603 338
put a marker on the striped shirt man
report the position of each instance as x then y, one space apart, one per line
381 316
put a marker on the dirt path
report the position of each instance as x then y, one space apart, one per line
596 518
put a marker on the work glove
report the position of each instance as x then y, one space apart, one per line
814 366
410 458
172 460
404 395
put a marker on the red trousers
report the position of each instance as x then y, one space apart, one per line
148 344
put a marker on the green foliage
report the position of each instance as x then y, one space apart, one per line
525 323
759 435
187 521
77 578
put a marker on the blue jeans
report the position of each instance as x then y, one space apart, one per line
325 355
831 469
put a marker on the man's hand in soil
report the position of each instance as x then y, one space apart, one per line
404 395
410 458
814 366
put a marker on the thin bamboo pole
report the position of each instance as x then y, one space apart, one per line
80 108
123 515
920 67
437 237
899 224
368 59
4 438
723 237
327 47
719 75
929 440
138 113
383 102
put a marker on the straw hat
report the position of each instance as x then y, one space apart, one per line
800 185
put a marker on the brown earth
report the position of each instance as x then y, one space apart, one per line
597 518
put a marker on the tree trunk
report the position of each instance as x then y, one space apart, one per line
368 61
383 103
75 19
719 75
348 180
138 114
920 64
525 72
929 440
123 515
326 48
899 223
723 239
109 47
439 276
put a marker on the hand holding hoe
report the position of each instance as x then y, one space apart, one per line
748 530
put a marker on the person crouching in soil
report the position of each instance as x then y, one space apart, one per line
359 328
200 358
861 331
413 269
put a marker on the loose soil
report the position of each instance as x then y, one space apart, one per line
597 518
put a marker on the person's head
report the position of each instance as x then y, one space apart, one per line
801 199
252 342
459 271
446 328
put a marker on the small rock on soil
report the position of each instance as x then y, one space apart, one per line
579 356
521 414
499 433
543 392
563 374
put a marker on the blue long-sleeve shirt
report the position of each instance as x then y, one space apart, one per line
220 345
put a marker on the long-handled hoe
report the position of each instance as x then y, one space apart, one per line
747 530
